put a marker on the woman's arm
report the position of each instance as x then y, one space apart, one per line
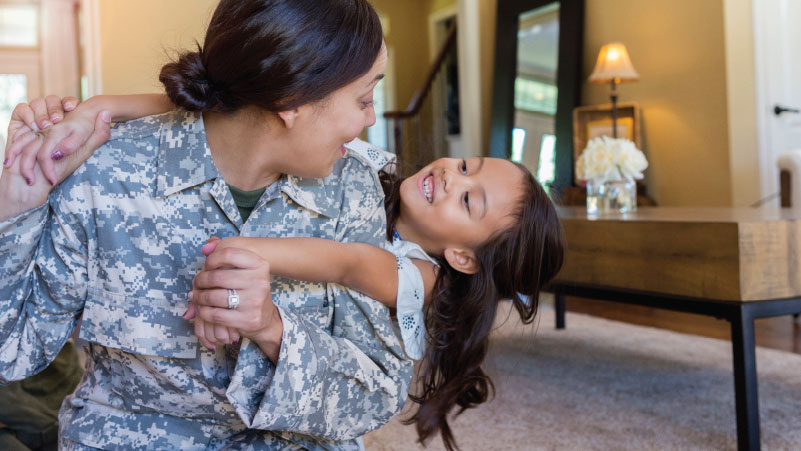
365 268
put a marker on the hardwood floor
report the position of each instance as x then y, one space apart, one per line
783 332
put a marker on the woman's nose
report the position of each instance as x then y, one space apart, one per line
370 117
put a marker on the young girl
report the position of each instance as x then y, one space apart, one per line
462 234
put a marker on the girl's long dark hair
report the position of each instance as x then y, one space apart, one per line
514 264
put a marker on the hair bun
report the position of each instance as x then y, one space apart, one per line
187 83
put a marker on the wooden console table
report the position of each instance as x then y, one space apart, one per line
733 263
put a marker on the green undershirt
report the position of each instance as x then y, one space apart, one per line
246 200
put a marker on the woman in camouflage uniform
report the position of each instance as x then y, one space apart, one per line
267 104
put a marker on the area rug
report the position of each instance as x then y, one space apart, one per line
604 385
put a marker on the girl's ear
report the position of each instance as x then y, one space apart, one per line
462 260
288 117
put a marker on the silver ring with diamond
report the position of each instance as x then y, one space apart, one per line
233 299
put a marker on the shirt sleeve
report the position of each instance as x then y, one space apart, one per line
335 386
42 254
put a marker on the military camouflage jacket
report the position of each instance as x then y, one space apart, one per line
118 244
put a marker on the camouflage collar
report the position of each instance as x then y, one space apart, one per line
185 161
184 158
311 194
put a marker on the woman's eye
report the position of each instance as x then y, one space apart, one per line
467 202
463 167
366 105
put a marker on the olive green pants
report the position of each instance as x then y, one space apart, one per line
29 408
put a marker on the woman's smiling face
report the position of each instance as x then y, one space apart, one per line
321 129
459 203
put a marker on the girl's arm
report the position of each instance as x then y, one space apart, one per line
362 267
128 107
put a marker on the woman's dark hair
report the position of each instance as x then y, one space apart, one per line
514 264
275 54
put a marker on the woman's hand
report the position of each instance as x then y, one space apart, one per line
256 317
210 335
59 141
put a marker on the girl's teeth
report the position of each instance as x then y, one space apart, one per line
427 188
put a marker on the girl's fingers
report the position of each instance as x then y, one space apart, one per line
14 149
28 160
47 166
200 333
54 109
39 108
69 103
221 334
191 312
24 113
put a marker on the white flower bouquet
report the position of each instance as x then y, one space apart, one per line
610 160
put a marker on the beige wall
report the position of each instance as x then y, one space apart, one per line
678 47
406 34
489 10
137 36
741 84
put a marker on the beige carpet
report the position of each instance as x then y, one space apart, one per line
607 385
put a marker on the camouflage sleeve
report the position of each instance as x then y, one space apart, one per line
41 254
334 386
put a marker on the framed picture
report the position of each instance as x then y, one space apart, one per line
593 121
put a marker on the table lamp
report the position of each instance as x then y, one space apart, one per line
613 65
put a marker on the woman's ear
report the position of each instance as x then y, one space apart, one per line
288 117
462 260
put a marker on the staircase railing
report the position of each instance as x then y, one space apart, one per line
417 137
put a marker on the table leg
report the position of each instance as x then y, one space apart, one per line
745 379
559 306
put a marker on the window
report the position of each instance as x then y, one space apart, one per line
19 25
533 95
13 90
518 144
377 134
546 167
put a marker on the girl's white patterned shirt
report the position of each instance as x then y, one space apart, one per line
411 291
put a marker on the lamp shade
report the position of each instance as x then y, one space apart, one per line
613 64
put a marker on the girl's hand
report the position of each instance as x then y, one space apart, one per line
59 141
256 317
20 192
40 114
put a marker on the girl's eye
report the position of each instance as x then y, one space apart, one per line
463 166
366 105
467 202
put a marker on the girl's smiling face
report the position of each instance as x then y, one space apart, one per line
458 204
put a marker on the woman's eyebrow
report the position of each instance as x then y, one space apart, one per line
377 78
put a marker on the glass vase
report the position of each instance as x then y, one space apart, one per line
611 197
